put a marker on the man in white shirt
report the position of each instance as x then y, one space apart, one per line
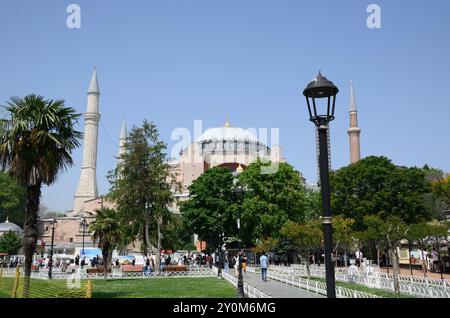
263 261
359 256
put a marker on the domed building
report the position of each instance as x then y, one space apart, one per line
227 146
8 226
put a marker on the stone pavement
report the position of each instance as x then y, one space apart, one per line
275 288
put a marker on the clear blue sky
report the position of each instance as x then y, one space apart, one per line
176 61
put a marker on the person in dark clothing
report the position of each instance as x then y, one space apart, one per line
77 260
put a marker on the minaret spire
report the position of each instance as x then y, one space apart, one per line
352 98
93 86
354 131
122 149
87 186
122 139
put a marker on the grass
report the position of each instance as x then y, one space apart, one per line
379 292
41 289
207 287
204 287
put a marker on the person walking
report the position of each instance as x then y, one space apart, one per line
264 264
226 267
236 264
244 263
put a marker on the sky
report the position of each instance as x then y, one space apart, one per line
173 62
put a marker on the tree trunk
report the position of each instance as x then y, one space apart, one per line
308 272
396 269
158 252
105 252
30 230
378 255
345 257
147 234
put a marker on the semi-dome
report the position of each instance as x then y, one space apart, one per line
8 226
227 133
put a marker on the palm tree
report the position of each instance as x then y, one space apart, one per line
36 143
106 230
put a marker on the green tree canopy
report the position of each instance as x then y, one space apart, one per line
10 243
374 185
436 200
12 200
36 143
389 231
441 188
272 199
106 231
208 212
140 186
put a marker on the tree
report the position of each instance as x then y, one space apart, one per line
343 235
441 189
266 245
435 200
273 199
10 243
12 200
106 230
420 233
438 235
141 188
374 185
305 238
391 231
209 211
36 143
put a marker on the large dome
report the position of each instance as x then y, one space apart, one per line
8 226
227 133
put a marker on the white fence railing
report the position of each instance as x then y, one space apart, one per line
249 290
115 274
314 286
444 283
416 288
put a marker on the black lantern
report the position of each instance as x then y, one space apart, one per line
320 112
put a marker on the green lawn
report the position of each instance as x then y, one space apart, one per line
40 288
207 287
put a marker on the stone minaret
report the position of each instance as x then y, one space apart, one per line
122 141
354 131
87 186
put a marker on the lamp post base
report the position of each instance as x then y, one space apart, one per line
240 287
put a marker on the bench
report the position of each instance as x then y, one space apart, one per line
176 268
97 270
132 269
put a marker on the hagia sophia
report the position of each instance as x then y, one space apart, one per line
226 146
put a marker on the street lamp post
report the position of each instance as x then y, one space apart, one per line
321 88
219 256
240 285
83 224
50 262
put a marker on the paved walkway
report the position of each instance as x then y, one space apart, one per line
275 288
